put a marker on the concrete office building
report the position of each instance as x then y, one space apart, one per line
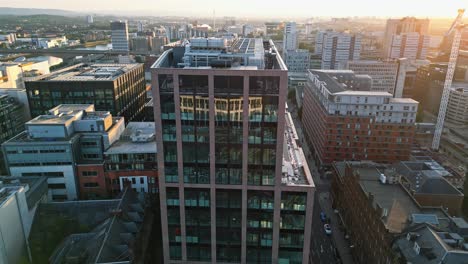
343 120
19 199
119 36
290 37
11 75
157 43
234 184
407 78
394 30
8 38
141 44
117 88
297 60
337 48
54 144
383 73
457 109
412 46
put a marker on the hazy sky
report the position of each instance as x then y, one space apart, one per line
257 8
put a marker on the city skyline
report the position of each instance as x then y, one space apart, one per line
258 9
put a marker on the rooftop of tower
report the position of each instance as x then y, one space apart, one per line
223 53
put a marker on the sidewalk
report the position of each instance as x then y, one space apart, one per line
338 236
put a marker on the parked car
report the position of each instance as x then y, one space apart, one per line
328 229
323 216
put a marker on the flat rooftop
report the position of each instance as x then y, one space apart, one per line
66 108
337 81
460 86
138 137
427 177
51 119
392 198
35 187
222 53
88 72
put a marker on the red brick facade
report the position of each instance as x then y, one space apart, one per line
114 181
339 138
92 181
96 183
369 236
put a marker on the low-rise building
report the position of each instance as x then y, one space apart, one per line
132 159
105 231
374 209
54 145
425 244
426 182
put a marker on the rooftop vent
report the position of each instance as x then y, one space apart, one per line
139 137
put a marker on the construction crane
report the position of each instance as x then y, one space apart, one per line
456 27
447 40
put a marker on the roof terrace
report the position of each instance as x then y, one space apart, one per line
213 53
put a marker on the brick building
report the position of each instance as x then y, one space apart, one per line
343 120
131 160
426 182
374 209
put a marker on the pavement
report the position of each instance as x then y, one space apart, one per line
324 249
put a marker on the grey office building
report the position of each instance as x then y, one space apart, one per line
234 184
119 36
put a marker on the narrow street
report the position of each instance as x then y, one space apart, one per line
324 248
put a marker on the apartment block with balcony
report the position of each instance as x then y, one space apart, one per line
343 120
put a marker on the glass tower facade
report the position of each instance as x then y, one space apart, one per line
223 200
